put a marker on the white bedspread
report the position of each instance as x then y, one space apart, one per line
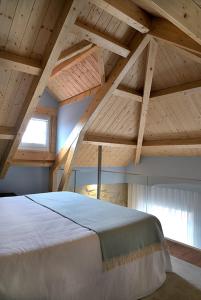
46 256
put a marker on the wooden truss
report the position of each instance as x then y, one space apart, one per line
178 29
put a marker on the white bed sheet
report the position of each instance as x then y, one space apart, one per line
46 256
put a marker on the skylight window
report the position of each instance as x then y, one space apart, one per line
36 135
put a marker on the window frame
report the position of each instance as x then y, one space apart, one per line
39 147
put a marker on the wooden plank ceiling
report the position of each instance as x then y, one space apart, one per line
92 46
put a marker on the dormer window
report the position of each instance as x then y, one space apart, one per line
36 135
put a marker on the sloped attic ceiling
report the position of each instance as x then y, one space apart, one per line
170 117
80 49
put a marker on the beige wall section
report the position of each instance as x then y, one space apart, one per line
115 193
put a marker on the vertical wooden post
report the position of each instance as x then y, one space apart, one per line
99 171
74 183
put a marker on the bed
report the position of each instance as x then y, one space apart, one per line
67 246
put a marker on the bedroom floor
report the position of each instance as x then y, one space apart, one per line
184 252
183 284
175 288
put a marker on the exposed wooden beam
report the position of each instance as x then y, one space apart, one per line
185 89
80 97
19 63
30 66
50 111
7 133
69 63
100 39
126 93
108 141
101 65
120 70
56 43
68 165
73 51
190 143
120 92
184 14
29 155
31 163
163 30
151 57
127 12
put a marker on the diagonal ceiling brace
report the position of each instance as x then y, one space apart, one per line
151 57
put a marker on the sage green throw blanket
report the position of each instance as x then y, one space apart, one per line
122 231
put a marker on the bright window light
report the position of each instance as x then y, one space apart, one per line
176 223
36 135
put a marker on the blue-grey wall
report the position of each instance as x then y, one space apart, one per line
68 116
25 180
179 167
48 100
175 172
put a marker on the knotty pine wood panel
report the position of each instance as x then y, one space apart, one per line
136 75
7 12
102 21
77 79
26 26
173 117
106 23
118 118
25 29
173 68
12 96
87 156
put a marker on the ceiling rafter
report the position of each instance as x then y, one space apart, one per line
81 96
184 14
74 50
7 133
185 89
101 65
151 58
116 76
65 21
108 141
167 32
188 143
20 63
100 39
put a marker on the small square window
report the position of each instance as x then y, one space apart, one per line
36 135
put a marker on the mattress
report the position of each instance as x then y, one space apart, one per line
44 255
